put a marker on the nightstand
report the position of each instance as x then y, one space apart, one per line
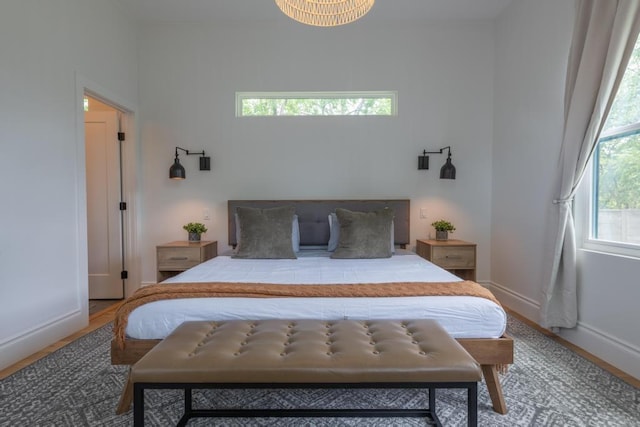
175 257
456 256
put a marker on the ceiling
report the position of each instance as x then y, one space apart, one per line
229 11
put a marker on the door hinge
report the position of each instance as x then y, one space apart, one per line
120 136
123 206
124 274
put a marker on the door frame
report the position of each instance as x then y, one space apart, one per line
130 169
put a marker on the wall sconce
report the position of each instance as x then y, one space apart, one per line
177 170
447 171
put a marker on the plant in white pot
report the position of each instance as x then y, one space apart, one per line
443 228
195 229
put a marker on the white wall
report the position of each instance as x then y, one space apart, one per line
189 74
44 47
532 42
532 45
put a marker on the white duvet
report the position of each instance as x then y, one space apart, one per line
462 317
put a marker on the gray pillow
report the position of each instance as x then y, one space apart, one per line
334 234
265 233
295 233
364 234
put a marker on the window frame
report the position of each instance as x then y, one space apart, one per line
379 94
586 209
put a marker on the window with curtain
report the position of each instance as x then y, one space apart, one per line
615 183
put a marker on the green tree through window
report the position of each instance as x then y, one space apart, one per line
616 201
316 104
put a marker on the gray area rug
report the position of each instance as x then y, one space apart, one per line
548 385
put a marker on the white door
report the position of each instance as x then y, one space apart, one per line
103 205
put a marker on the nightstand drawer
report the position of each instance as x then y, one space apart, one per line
454 257
178 258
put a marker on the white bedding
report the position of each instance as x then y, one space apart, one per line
462 317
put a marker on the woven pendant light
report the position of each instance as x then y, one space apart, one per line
325 13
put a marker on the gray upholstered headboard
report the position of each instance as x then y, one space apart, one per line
312 216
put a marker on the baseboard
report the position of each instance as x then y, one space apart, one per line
519 303
618 353
16 348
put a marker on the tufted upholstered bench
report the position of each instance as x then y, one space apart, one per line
307 354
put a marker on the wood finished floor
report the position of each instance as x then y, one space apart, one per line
96 321
106 315
98 305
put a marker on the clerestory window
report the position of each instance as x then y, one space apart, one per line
272 104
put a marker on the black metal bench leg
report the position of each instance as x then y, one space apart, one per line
188 407
138 405
435 421
432 400
472 405
188 402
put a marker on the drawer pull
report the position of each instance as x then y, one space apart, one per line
178 258
453 257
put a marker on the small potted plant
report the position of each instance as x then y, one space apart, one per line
195 229
443 228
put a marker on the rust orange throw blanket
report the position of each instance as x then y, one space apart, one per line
268 290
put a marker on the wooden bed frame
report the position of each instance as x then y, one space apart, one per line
491 354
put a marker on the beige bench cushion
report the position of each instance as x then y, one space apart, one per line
307 351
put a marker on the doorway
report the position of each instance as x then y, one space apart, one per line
105 206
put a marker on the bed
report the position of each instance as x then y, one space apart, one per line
477 323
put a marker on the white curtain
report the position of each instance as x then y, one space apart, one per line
604 36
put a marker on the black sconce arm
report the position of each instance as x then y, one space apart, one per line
205 162
188 153
448 147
